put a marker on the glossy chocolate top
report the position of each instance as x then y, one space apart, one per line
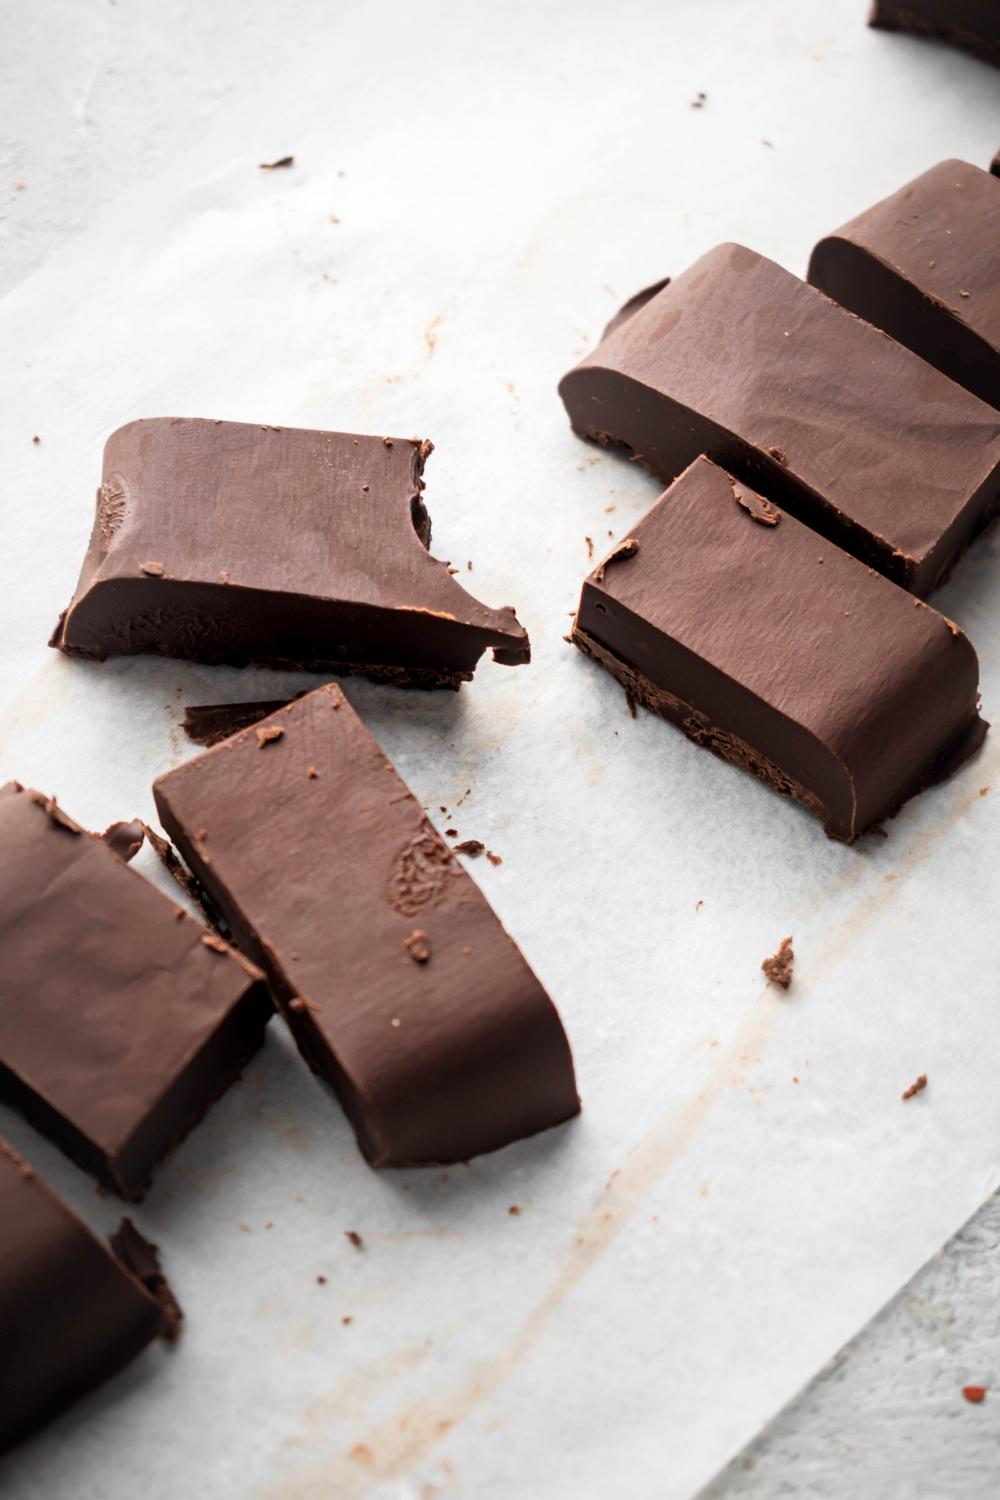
395 975
788 643
70 1313
741 360
111 996
199 519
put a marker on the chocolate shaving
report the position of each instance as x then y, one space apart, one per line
272 166
213 941
152 569
267 733
917 1087
757 508
472 847
628 548
355 1238
124 838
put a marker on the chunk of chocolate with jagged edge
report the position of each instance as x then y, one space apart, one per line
122 1019
782 654
71 1312
826 416
209 723
225 542
971 24
326 870
924 266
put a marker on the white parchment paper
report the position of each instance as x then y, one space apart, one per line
475 190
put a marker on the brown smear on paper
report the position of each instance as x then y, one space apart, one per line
396 1446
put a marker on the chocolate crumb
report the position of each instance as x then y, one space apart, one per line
698 905
418 946
778 967
757 508
347 1320
272 166
266 733
213 941
494 859
513 1210
224 574
321 1281
36 438
963 293
779 455
931 264
355 1238
975 1394
699 100
300 1003
151 569
917 1087
472 847
590 546
312 773
451 833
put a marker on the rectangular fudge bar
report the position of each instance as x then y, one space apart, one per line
231 542
121 1018
782 654
71 1313
836 423
924 266
400 986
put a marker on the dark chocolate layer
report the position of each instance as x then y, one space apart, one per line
973 25
400 985
122 1018
924 265
71 1314
838 424
225 542
781 654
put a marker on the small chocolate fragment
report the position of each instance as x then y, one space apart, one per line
283 547
125 838
282 161
417 946
973 25
924 266
268 733
133 1251
71 1314
835 423
917 1087
323 885
778 968
118 1028
206 724
472 847
825 682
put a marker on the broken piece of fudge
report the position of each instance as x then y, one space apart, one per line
973 25
71 1312
782 654
924 266
225 542
402 989
839 425
122 1018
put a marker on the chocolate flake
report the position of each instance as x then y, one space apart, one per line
472 847
917 1087
272 166
152 569
355 1238
628 548
418 946
267 733
778 967
213 941
756 507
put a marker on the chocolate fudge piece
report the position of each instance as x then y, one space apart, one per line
121 1019
924 265
781 653
971 24
231 543
400 986
839 425
71 1314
